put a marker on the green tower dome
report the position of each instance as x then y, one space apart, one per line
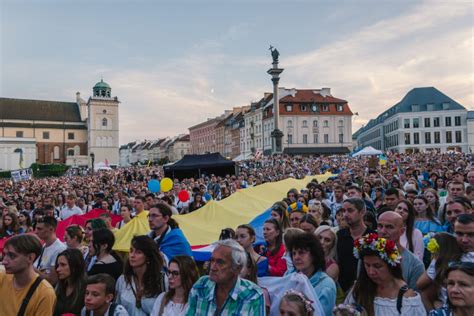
102 89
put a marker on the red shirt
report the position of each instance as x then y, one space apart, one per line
276 263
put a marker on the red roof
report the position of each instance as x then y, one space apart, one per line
308 95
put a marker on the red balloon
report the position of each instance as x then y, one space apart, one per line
183 196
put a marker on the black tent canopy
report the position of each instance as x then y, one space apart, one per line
197 165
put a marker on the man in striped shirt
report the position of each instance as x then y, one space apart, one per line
223 292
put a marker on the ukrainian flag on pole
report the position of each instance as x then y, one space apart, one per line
382 159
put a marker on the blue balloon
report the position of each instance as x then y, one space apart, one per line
154 186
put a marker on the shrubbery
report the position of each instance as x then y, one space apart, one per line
49 170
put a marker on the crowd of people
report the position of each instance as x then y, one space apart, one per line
391 237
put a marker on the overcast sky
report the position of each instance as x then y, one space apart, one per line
172 64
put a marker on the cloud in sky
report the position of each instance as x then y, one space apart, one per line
372 64
375 67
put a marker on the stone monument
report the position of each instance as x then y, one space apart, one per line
275 72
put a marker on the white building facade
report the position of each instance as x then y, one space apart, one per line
424 120
312 122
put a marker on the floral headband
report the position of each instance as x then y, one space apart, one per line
308 304
351 309
297 207
386 249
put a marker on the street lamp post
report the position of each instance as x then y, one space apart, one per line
92 155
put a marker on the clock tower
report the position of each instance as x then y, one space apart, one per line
103 125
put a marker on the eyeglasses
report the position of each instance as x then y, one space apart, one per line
172 273
153 216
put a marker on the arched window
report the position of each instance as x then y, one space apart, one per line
305 123
290 123
70 152
326 123
104 122
315 123
56 152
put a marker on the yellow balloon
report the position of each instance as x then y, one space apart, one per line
166 184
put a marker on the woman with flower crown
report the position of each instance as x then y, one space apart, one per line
380 288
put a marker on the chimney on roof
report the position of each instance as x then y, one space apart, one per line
325 92
83 110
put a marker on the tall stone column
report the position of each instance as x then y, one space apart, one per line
275 72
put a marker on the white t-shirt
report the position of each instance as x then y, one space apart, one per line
47 259
170 309
68 212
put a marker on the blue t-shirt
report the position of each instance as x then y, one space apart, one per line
428 226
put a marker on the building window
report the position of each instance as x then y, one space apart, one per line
303 108
427 122
407 138
56 152
45 135
70 152
341 138
289 108
436 121
457 121
290 139
447 120
104 122
19 134
326 138
458 137
449 137
416 138
289 123
326 123
325 107
427 138
406 123
314 108
437 137
305 139
416 123
316 138
339 108
305 123
341 123
70 135
315 123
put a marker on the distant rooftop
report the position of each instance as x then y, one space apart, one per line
416 100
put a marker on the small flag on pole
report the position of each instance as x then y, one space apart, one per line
382 160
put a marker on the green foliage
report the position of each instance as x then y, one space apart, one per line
5 174
48 170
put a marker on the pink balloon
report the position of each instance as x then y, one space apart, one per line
183 196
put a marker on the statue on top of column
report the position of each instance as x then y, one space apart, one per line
275 54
